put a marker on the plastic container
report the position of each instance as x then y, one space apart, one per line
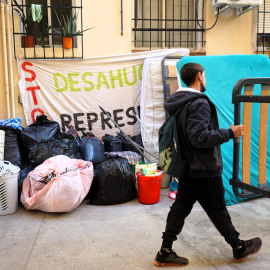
2 144
165 180
8 188
149 188
174 185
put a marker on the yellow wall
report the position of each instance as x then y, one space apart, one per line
105 38
231 35
3 96
2 83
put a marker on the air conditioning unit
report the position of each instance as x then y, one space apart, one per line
242 6
255 2
236 3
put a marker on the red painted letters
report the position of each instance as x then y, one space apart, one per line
32 88
24 64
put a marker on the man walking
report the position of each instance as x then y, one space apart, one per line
200 138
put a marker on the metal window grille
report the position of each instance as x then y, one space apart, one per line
263 28
48 45
168 24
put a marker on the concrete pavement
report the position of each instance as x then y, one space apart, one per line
126 237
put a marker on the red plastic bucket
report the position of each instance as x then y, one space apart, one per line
149 188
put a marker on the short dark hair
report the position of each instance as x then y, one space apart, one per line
189 72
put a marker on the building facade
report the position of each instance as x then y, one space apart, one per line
123 27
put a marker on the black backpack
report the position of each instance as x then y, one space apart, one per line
170 157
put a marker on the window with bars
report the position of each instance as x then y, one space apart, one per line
48 34
263 27
168 24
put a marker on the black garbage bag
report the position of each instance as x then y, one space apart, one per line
112 143
129 146
41 130
137 139
22 176
44 140
92 194
114 182
92 149
61 144
14 152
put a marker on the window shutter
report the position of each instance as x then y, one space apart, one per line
264 17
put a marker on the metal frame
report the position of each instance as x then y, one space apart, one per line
248 190
242 10
165 73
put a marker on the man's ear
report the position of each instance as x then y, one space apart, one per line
199 76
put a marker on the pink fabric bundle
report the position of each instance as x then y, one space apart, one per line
61 193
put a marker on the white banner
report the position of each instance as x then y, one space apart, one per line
71 91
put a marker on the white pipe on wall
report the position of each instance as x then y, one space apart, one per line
10 62
5 57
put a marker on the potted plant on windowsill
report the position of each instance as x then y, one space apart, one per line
33 15
68 26
28 23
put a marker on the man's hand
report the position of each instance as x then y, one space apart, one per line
237 130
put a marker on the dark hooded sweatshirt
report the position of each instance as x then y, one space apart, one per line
199 133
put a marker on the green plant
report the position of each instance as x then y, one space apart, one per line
41 43
26 19
69 25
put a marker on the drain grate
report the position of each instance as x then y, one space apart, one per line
3 196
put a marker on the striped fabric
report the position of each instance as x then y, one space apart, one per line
131 156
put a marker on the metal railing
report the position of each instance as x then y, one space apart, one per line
263 36
54 49
155 27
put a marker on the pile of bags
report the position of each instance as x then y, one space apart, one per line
114 182
59 170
